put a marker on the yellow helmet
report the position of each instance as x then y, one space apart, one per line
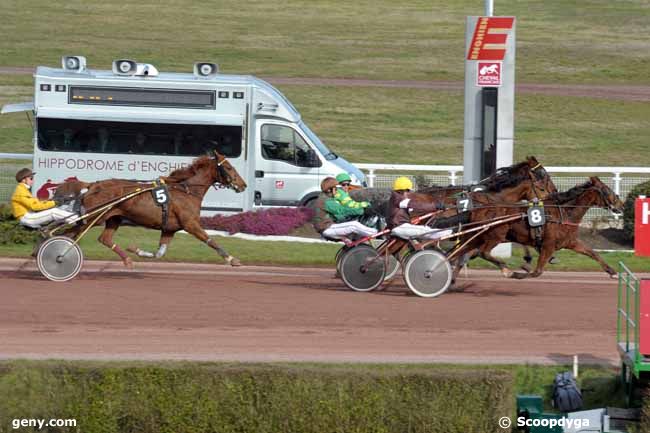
402 183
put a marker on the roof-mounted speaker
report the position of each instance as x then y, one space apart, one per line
124 67
73 63
206 70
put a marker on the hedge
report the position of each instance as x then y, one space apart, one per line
628 212
224 398
11 232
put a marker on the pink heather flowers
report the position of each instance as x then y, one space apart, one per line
277 221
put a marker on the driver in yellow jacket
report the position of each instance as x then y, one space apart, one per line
30 211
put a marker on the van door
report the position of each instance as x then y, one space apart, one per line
287 167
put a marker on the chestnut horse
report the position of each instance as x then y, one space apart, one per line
185 190
563 213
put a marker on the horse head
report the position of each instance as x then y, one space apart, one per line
227 175
541 180
608 197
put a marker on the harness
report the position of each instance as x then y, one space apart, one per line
161 197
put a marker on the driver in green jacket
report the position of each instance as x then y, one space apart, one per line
343 196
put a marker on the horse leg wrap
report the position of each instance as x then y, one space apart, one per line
119 252
140 253
162 249
218 249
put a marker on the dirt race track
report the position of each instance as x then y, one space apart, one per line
213 312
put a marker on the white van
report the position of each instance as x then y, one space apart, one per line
135 123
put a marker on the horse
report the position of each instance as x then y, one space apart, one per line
185 189
563 213
527 180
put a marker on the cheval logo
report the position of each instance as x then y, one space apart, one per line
279 184
46 192
490 36
489 74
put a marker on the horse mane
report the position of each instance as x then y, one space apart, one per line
506 177
570 194
185 173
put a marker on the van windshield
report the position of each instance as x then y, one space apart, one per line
324 150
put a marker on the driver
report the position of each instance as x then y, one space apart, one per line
333 220
401 208
30 211
342 194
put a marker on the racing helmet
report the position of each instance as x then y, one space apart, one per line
343 177
327 184
402 184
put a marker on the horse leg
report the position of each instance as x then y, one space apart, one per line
484 252
580 247
165 239
462 261
106 238
197 231
545 254
528 258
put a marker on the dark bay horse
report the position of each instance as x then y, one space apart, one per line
563 213
526 180
185 189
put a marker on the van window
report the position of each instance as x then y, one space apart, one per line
283 143
67 135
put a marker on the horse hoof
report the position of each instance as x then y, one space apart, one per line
553 260
128 263
507 272
235 262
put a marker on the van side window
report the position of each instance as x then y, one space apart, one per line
90 136
282 143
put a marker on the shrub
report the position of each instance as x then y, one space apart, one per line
278 221
237 398
11 232
628 213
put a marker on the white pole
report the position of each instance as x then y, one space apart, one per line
489 8
575 366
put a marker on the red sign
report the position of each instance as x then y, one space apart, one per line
279 184
642 227
488 74
490 36
644 317
47 190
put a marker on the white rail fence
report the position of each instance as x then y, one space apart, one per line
620 179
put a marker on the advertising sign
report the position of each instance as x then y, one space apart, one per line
642 226
488 74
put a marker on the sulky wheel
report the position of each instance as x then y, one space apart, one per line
427 273
337 259
59 259
362 268
392 267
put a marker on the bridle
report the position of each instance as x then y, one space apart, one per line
224 180
537 174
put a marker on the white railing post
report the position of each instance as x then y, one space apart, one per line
617 188
371 178
452 177
617 183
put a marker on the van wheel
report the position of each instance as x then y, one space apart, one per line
311 203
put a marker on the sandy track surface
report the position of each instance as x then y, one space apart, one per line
212 312
617 92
